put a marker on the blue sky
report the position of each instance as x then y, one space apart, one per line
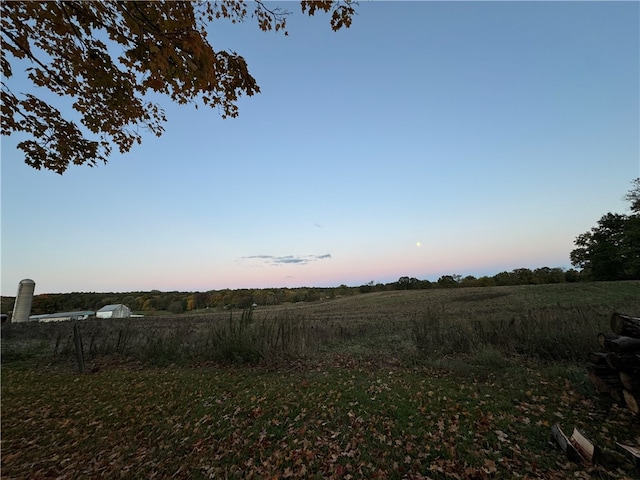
427 139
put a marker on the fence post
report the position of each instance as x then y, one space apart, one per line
77 340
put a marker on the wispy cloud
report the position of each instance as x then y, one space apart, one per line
272 260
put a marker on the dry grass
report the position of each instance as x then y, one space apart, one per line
544 322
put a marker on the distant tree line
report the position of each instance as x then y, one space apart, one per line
609 251
519 276
180 302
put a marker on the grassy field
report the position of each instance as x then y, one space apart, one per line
458 383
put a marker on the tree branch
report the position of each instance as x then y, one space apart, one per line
33 58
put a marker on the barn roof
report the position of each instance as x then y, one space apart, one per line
109 308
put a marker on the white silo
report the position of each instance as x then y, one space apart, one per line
24 299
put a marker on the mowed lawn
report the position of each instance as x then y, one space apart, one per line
338 414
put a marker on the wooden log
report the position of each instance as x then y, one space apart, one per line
585 447
598 358
613 360
602 337
630 381
632 400
622 344
610 458
604 378
629 362
631 453
565 445
625 325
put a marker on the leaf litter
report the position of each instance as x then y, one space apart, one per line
321 422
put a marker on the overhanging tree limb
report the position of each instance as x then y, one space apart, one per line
163 48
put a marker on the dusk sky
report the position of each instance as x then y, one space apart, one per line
427 139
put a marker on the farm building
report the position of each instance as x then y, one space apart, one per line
24 299
61 316
114 311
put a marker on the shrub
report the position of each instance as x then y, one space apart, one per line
235 341
270 340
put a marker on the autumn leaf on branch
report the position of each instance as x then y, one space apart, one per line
162 47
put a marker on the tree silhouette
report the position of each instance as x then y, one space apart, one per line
611 250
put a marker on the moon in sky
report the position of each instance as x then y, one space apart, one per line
418 244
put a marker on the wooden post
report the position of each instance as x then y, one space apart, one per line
77 340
